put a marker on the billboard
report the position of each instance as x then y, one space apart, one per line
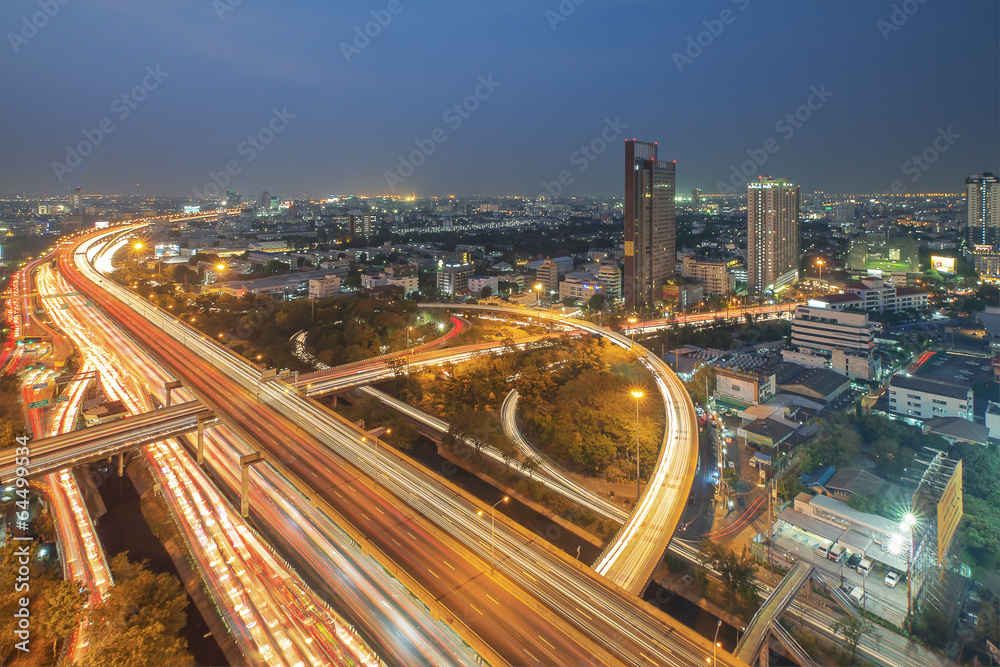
943 264
949 512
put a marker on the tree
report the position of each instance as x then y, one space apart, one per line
736 572
853 628
597 302
140 621
59 616
530 464
486 292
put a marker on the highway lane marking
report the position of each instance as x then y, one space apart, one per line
582 612
365 516
547 642
495 601
432 572
338 493
397 543
379 509
648 658
448 564
411 534
476 608
532 655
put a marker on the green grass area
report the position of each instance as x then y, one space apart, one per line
887 265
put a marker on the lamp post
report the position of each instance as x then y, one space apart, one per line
819 263
493 526
909 520
715 645
137 247
538 299
632 321
636 394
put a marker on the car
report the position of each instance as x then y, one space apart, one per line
892 579
853 561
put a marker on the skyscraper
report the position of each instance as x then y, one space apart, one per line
76 198
772 234
650 232
983 209
264 200
233 198
696 199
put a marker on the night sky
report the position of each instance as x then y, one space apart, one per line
890 85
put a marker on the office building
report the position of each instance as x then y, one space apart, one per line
75 198
477 283
878 296
983 209
714 274
233 199
650 224
610 279
324 286
696 199
580 285
921 398
264 201
843 213
362 224
454 278
772 235
841 341
547 275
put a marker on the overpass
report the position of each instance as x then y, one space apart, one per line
103 441
631 557
762 622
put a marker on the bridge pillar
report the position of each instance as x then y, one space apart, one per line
245 463
121 464
201 442
169 387
765 650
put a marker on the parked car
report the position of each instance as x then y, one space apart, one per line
892 579
853 561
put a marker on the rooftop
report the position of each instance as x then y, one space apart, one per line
769 428
958 428
939 387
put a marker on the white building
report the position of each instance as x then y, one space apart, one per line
921 398
580 286
370 280
326 286
610 279
841 341
880 296
408 283
477 283
547 275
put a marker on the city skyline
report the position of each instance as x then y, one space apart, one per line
320 107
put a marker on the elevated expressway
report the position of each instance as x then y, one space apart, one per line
630 559
104 441
531 611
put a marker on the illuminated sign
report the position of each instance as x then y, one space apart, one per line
943 264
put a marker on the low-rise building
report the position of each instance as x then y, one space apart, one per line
453 278
880 296
744 388
477 283
841 341
714 274
324 287
921 398
581 286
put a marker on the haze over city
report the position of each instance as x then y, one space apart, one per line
541 334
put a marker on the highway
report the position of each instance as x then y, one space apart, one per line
626 626
629 560
235 566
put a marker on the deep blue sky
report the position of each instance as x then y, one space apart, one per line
353 120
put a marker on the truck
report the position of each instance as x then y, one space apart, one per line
857 596
865 566
836 553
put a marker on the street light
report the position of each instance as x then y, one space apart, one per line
636 394
632 321
493 526
908 521
819 263
715 645
538 299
